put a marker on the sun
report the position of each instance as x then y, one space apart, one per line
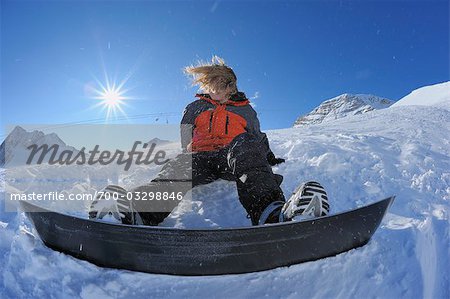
112 98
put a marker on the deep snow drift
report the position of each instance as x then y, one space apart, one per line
402 150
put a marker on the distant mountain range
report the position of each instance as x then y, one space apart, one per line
342 106
13 149
14 152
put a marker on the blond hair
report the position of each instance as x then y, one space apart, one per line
214 76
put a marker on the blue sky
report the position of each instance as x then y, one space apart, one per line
291 55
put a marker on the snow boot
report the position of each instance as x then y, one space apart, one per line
112 203
309 200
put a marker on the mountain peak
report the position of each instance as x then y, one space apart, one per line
342 106
18 130
14 145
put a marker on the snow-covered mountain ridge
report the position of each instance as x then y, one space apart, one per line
433 95
342 106
13 148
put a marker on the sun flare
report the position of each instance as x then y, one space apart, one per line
111 98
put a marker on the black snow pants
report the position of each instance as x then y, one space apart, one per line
243 161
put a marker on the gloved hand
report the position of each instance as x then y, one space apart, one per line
273 160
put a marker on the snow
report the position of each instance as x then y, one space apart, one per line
343 106
437 94
13 151
403 150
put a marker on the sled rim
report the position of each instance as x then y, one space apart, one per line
28 208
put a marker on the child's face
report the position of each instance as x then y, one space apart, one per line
221 95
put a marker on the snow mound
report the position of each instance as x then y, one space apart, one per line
342 106
436 95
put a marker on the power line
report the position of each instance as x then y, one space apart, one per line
102 120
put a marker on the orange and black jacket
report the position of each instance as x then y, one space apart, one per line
211 125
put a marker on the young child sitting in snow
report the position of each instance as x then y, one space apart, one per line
221 138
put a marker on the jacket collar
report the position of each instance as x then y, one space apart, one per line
237 99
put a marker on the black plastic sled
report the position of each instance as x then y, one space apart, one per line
206 251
